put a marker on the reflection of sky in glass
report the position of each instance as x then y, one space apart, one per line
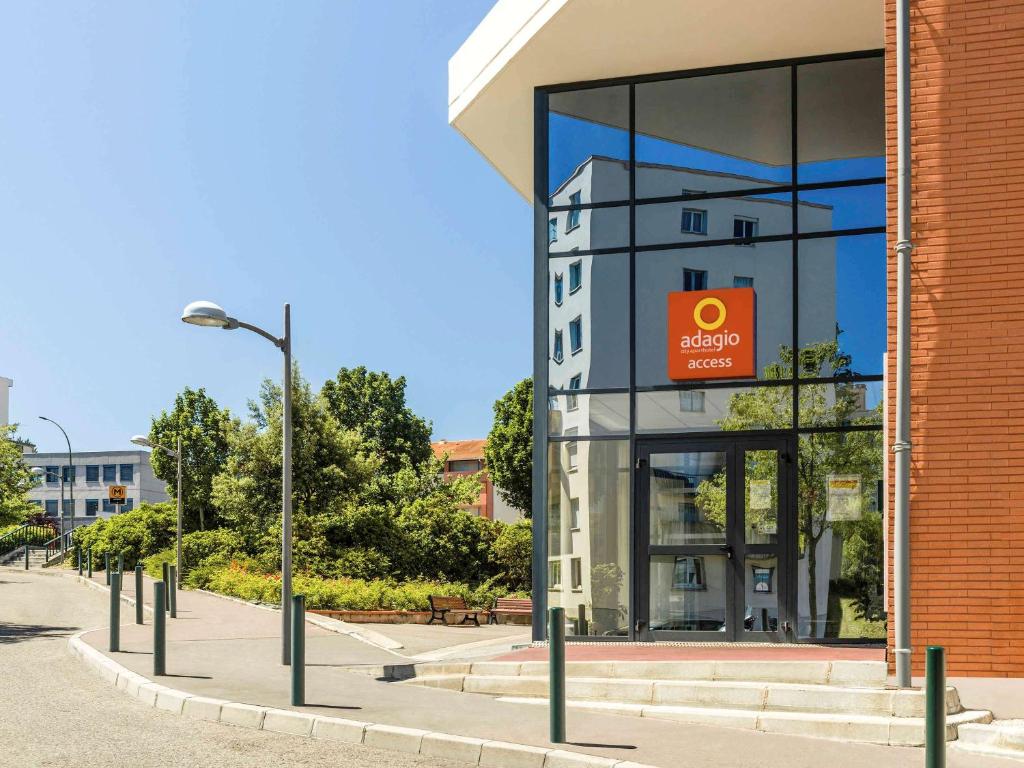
571 141
658 151
860 300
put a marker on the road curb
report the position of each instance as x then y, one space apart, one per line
463 749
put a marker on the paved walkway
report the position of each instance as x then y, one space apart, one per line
231 651
698 652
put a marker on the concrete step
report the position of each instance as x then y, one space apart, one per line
861 674
871 729
999 738
36 557
749 696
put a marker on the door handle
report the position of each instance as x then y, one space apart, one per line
726 550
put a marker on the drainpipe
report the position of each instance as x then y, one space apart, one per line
901 446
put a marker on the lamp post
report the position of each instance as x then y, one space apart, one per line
145 442
206 313
71 485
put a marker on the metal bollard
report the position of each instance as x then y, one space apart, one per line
115 612
78 551
166 582
88 559
26 555
556 673
298 645
106 566
159 633
120 562
935 707
172 591
138 595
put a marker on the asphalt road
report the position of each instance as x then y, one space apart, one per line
56 712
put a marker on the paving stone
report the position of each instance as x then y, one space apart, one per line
339 729
501 754
243 715
462 748
203 708
287 721
394 737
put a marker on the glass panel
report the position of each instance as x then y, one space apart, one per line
603 414
761 610
842 312
687 498
727 408
588 145
823 210
589 229
841 120
840 404
603 357
688 593
659 273
840 571
761 510
598 487
716 219
713 133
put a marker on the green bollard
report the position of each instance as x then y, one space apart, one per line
78 551
167 581
556 673
935 707
26 555
172 591
88 560
120 562
298 646
138 594
106 566
115 613
159 633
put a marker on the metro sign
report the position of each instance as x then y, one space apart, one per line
711 334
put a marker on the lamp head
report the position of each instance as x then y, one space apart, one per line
141 440
38 471
206 313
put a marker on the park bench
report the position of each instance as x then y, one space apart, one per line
510 606
441 606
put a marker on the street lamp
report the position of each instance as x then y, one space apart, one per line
208 314
71 485
145 442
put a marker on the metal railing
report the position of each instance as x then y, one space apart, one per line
25 535
58 545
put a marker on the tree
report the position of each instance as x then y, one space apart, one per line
16 479
509 451
373 404
204 431
819 454
513 553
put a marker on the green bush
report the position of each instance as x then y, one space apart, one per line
218 546
513 554
136 534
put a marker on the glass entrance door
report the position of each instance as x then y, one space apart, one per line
715 531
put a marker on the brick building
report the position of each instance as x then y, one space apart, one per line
466 457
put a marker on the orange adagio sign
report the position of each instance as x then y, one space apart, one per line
711 334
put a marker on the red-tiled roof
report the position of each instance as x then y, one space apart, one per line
459 449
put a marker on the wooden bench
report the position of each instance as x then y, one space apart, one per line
441 606
510 606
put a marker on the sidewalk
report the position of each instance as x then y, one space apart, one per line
230 650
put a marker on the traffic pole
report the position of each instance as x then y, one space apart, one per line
159 631
298 650
172 591
556 673
935 707
115 613
138 594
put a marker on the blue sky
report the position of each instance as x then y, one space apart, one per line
250 154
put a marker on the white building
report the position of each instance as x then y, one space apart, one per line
87 481
5 400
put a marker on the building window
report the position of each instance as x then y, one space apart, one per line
573 219
552 230
109 508
688 573
51 507
576 566
554 574
126 472
464 465
572 459
92 473
557 354
53 474
576 334
572 402
574 514
559 290
110 473
762 579
691 401
695 221
68 473
129 505
575 276
92 506
695 280
69 506
744 228
739 281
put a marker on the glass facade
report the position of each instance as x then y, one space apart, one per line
768 178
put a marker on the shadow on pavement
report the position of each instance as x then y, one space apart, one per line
19 633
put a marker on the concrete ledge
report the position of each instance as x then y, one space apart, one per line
394 737
557 758
339 729
500 754
202 708
242 715
287 721
171 700
462 748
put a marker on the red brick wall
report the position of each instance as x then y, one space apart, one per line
967 353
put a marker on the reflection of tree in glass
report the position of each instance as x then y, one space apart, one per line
605 591
820 454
